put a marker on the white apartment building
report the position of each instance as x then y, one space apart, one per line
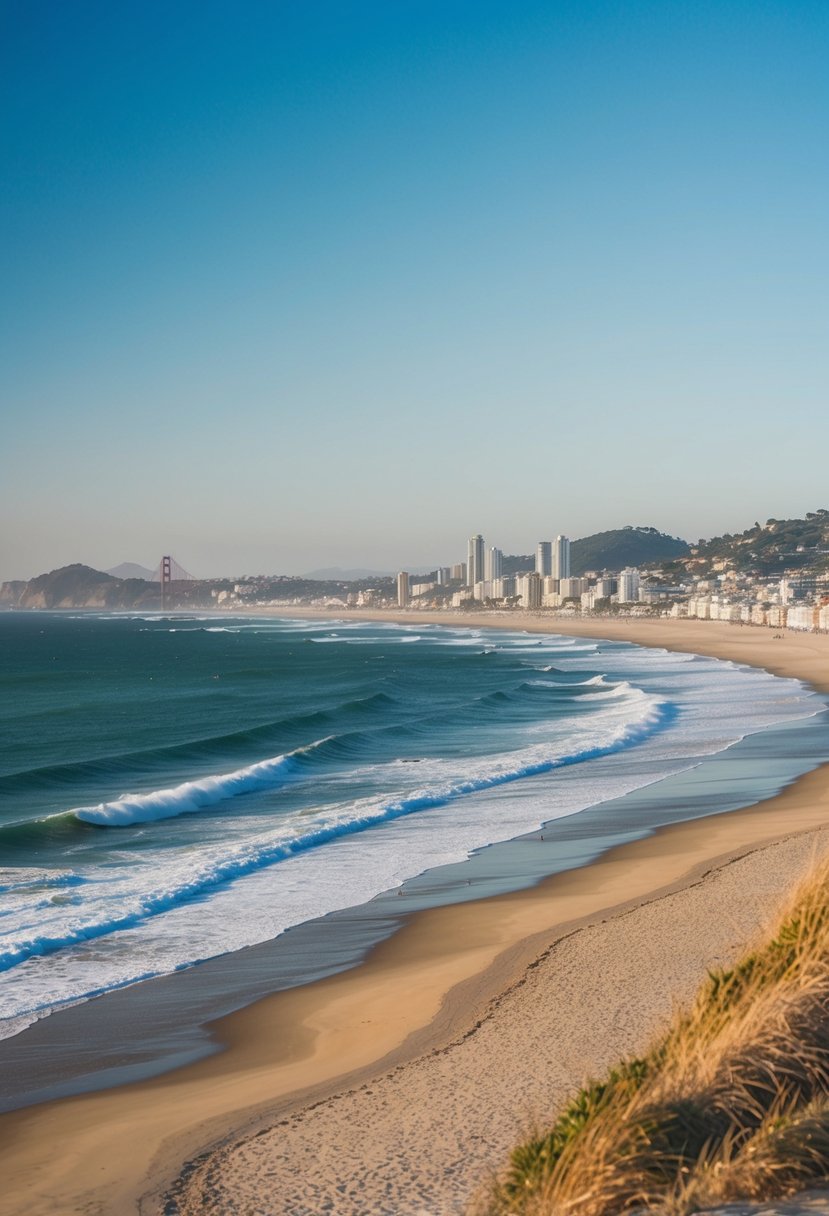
483 590
700 607
628 586
801 616
571 588
493 564
475 560
528 588
731 612
561 557
544 558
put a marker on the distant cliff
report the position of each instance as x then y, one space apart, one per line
72 587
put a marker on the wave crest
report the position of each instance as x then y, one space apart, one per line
326 826
196 795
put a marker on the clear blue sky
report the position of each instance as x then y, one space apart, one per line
298 284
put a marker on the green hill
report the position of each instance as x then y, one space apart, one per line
625 547
611 551
770 548
79 586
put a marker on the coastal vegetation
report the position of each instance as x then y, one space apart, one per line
612 550
731 1103
770 548
622 547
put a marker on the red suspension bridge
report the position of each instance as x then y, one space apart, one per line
167 572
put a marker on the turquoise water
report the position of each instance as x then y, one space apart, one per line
175 788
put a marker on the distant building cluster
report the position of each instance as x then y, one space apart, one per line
800 602
481 581
790 603
699 586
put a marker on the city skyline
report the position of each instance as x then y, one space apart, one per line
774 575
491 557
277 282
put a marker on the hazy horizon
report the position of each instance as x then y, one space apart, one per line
343 568
291 287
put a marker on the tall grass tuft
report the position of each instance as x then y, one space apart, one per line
731 1102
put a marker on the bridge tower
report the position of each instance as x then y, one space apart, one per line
169 574
166 579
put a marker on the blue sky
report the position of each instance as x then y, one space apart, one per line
300 284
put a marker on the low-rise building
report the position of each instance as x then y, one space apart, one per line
802 617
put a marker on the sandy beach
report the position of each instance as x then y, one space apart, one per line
397 1086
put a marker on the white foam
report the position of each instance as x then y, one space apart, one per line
192 796
717 705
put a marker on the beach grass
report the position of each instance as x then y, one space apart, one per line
731 1103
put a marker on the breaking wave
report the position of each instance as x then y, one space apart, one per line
307 832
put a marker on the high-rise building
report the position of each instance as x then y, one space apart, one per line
561 557
443 576
628 592
403 589
544 558
475 560
457 573
493 564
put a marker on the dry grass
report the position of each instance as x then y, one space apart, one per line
732 1102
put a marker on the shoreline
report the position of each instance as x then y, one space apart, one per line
803 656
444 971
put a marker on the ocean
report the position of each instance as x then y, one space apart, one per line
176 788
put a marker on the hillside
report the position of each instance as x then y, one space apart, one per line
80 586
625 547
768 549
69 587
612 551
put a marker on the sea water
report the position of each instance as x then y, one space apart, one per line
173 788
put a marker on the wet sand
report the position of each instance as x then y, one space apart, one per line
394 1087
